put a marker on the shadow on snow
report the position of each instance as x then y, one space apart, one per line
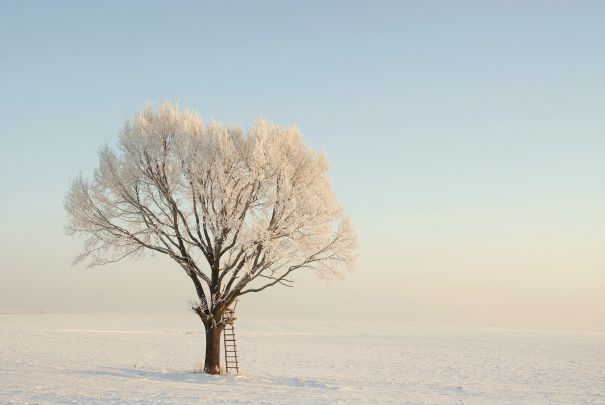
195 378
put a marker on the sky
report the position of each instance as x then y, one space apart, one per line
467 142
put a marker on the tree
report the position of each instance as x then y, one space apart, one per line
238 211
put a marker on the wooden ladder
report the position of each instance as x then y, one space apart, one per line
230 342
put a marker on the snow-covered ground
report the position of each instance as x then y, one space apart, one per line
103 358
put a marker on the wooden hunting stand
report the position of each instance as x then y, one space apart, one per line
229 340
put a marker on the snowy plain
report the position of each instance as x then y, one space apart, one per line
51 358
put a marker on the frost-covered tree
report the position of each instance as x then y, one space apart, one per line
238 211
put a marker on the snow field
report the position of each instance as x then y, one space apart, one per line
144 358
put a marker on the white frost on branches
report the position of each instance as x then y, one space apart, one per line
239 211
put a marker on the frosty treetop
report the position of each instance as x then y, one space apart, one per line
238 211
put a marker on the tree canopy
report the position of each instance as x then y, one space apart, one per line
238 210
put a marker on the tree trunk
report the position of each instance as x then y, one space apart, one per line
212 361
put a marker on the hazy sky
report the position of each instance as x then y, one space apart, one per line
467 142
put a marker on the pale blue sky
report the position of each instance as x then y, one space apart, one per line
467 141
